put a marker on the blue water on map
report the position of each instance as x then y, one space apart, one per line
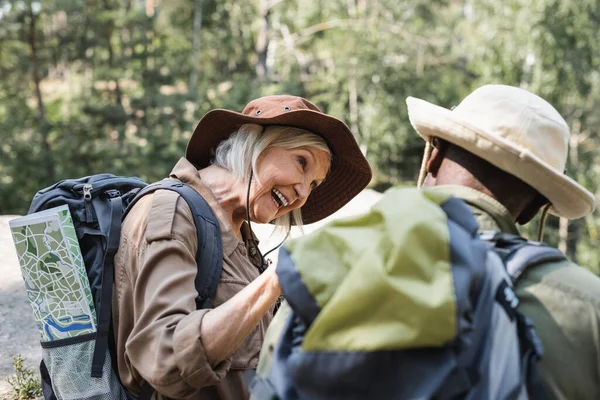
72 327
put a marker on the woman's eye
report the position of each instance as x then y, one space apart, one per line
313 185
302 161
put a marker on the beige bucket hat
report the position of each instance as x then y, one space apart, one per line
516 131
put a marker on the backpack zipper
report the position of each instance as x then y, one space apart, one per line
101 186
87 191
87 195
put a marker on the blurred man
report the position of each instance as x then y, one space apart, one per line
503 151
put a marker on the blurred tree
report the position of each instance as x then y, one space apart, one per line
359 60
118 86
551 48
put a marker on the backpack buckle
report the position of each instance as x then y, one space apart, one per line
202 303
112 193
488 236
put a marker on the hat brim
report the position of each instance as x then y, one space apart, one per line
567 197
349 173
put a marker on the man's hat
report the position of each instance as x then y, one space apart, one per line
349 173
514 130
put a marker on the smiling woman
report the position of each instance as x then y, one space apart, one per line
280 160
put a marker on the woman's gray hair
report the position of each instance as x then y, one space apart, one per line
241 151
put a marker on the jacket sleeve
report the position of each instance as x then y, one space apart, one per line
165 346
563 300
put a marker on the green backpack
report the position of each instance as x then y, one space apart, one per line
405 302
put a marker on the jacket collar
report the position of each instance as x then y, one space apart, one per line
489 212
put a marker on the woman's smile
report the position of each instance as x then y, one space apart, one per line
284 179
278 198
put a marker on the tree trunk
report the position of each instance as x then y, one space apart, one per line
262 41
351 8
563 234
195 46
108 28
43 123
111 55
353 103
150 4
571 238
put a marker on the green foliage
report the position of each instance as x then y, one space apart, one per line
25 384
118 86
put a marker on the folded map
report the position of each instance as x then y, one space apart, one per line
54 274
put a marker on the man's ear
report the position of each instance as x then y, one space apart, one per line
532 209
436 157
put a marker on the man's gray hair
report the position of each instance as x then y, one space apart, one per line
241 151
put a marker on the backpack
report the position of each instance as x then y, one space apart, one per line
82 367
405 302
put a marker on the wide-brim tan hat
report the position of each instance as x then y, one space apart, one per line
349 172
514 130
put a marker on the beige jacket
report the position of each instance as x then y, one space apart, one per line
156 324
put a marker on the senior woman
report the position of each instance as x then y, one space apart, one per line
280 160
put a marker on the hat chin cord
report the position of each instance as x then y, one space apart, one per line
543 218
423 170
264 264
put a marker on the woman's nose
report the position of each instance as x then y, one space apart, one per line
302 191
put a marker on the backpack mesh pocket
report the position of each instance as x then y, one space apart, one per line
69 367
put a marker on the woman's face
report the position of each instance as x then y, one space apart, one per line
285 178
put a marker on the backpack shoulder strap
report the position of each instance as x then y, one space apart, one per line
530 255
209 255
108 273
518 253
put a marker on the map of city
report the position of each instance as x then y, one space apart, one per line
54 274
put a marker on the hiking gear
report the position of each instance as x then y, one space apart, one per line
397 304
349 173
514 130
98 204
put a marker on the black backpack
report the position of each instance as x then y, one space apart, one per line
98 204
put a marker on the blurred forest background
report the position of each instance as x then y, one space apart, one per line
118 85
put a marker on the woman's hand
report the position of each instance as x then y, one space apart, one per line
271 275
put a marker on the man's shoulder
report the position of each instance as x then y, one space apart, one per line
564 277
563 301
